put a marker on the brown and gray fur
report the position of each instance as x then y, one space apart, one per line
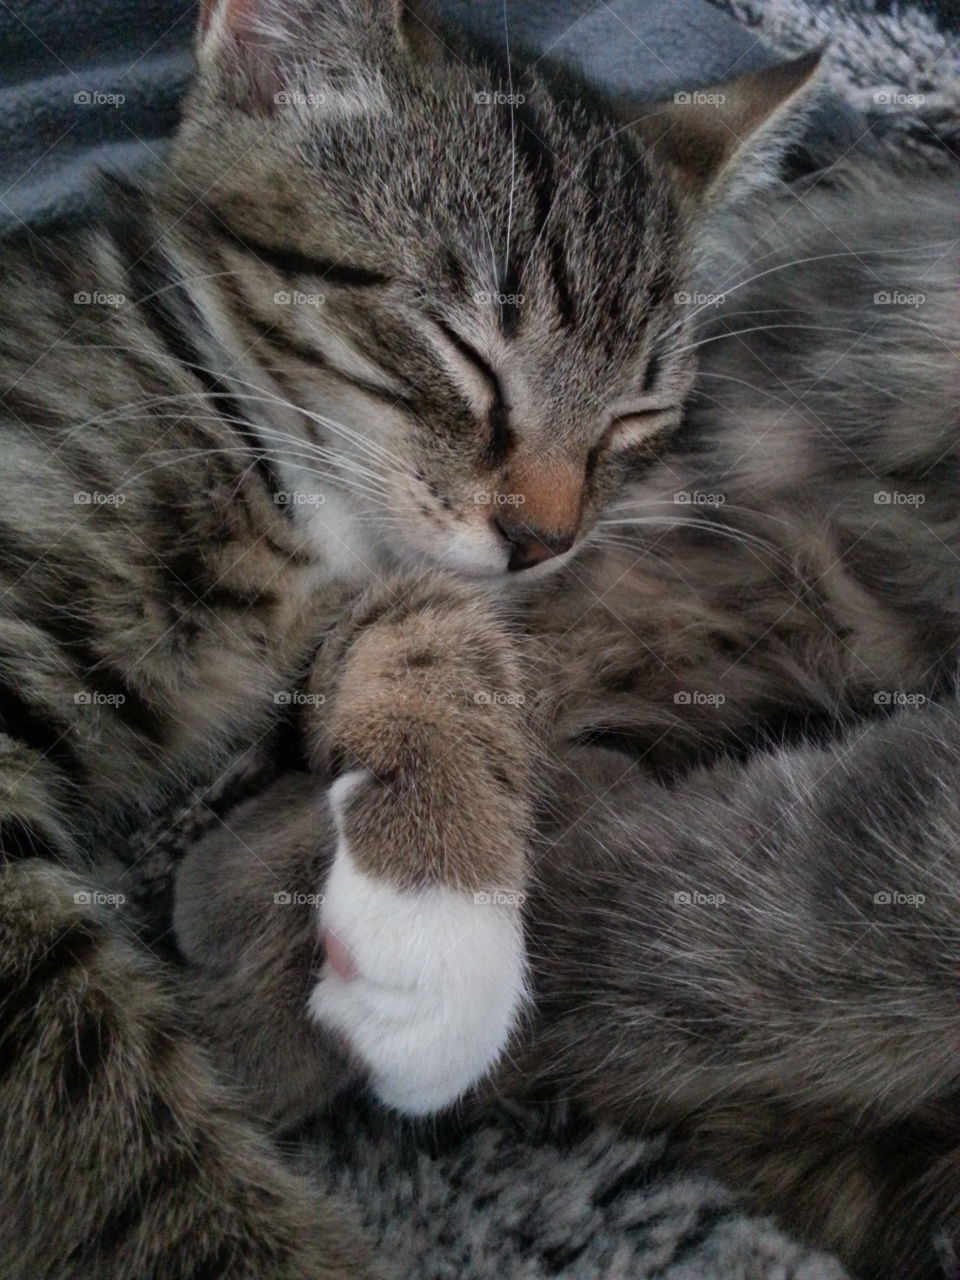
762 955
161 599
764 960
761 958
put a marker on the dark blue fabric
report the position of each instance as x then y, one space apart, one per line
53 53
647 47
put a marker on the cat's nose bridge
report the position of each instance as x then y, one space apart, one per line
547 495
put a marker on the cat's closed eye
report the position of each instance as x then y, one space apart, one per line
638 425
501 435
633 432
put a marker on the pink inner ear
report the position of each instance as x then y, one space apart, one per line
256 78
207 10
237 12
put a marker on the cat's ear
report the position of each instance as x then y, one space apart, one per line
728 138
246 41
278 52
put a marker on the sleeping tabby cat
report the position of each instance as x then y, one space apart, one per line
762 954
375 348
289 436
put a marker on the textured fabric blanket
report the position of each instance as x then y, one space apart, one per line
507 1195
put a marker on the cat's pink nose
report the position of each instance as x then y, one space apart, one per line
529 546
542 508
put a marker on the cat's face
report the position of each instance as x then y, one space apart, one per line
460 272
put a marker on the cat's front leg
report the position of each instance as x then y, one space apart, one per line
426 726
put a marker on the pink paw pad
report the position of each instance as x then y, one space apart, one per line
339 956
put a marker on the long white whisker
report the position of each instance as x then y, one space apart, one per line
262 396
183 280
626 504
764 328
727 289
310 447
179 456
733 534
370 446
513 148
751 386
271 397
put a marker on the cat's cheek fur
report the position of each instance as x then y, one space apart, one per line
439 981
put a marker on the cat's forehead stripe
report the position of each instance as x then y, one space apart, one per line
531 152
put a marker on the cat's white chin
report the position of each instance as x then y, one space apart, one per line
487 569
437 979
466 560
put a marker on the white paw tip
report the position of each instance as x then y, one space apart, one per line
340 791
425 986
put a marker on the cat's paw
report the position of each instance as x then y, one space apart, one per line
425 985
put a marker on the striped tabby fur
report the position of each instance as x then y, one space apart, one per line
281 435
299 433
